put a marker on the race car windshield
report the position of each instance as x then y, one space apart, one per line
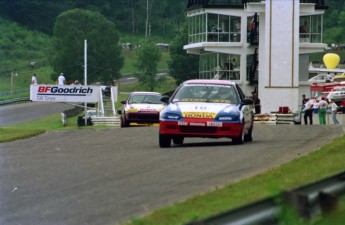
207 93
146 99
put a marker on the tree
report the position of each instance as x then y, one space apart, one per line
182 66
103 53
148 58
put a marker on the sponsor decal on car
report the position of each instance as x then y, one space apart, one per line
209 115
148 110
200 124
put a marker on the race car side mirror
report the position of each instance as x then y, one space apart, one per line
247 101
165 98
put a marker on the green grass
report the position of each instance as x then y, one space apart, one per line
168 85
8 134
288 176
23 79
33 128
131 58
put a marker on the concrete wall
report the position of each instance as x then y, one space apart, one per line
279 55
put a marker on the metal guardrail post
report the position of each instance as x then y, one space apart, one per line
14 100
318 197
321 197
265 212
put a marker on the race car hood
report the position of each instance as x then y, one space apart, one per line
202 109
144 107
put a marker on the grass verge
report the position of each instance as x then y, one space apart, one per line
33 128
327 161
8 134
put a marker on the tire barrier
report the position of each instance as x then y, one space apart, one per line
13 100
70 113
274 118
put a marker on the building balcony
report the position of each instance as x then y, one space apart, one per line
194 4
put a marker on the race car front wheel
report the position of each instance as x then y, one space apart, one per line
249 136
178 140
164 141
124 122
239 140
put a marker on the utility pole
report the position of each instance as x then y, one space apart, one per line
12 75
85 77
147 19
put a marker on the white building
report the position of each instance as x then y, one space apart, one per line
268 56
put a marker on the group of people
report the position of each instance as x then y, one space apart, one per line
61 80
310 106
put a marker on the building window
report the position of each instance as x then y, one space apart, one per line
210 27
219 66
311 29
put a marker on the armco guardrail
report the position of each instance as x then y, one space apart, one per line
14 92
321 197
13 100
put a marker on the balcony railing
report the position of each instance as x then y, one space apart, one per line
319 4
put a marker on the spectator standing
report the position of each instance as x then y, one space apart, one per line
34 79
256 103
334 108
304 100
328 78
304 28
323 105
32 64
61 79
308 112
316 106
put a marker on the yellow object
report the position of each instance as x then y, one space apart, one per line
339 77
209 115
331 60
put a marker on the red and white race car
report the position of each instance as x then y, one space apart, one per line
141 108
208 109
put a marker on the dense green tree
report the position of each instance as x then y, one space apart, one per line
148 58
182 66
103 53
334 22
129 15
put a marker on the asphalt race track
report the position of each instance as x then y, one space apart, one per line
105 176
18 113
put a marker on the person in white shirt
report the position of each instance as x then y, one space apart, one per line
334 108
34 79
61 79
308 112
323 105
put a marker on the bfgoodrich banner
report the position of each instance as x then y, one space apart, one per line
64 93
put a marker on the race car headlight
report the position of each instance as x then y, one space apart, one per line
228 117
170 116
225 118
